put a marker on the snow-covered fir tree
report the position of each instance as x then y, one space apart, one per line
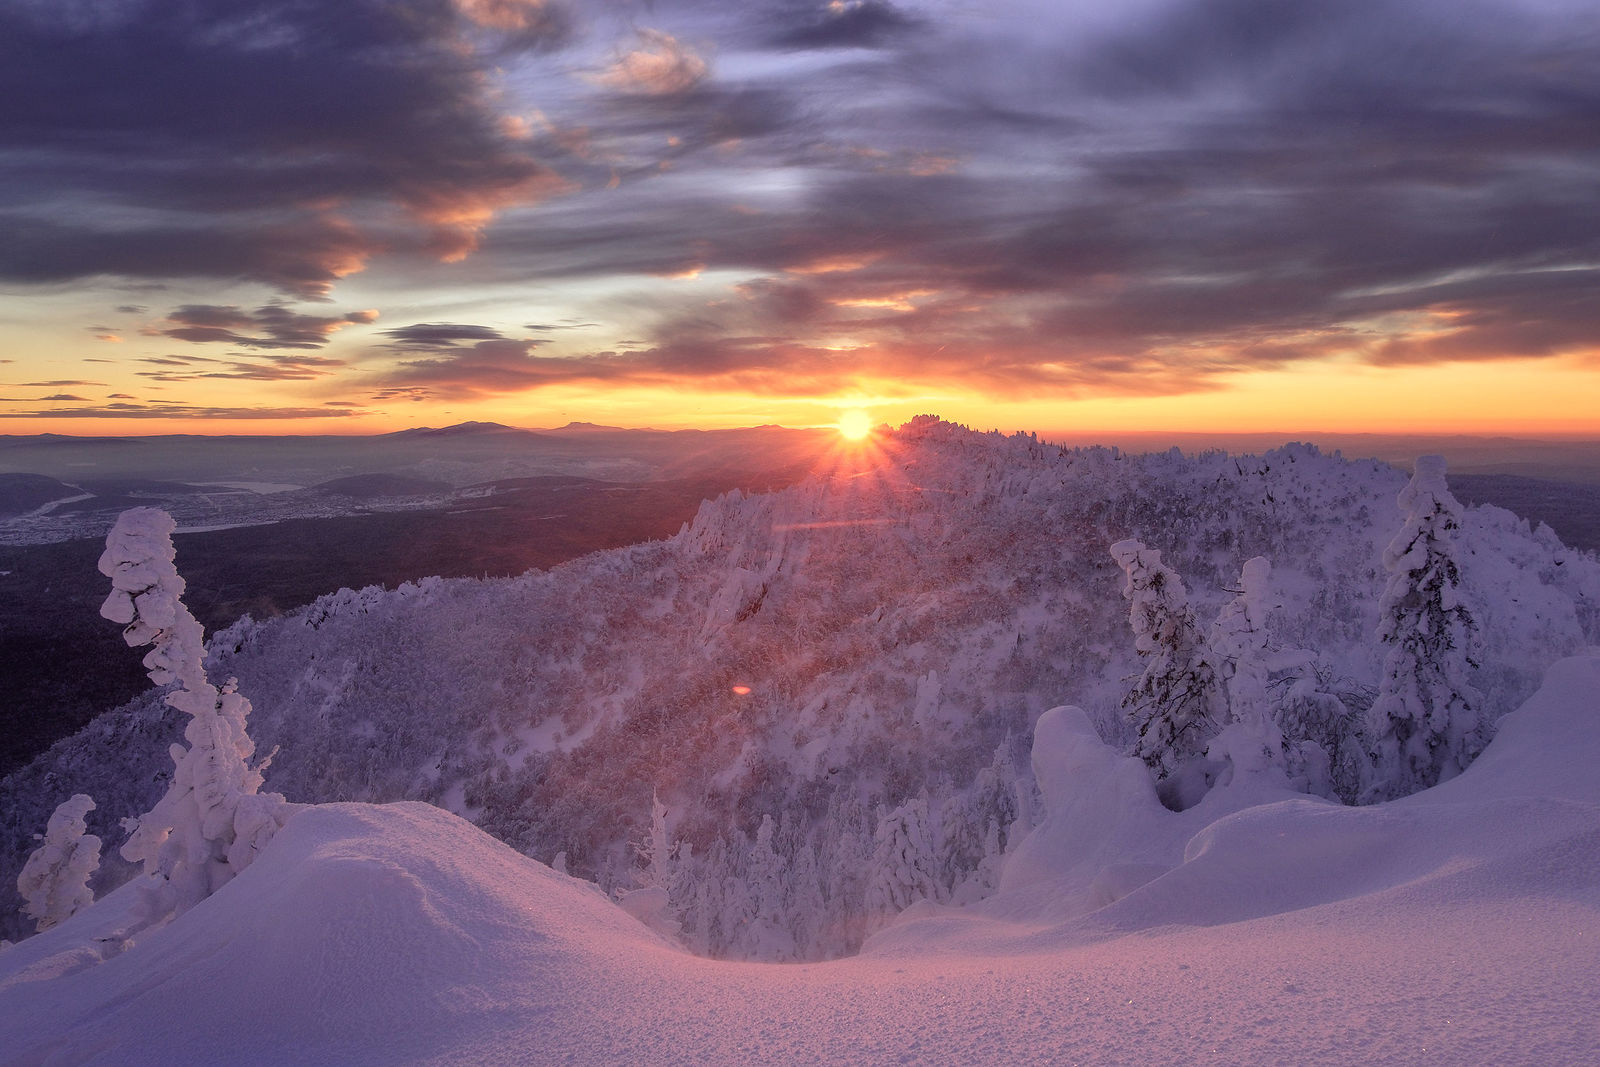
1178 702
904 868
1251 744
765 934
656 849
213 819
55 881
1428 721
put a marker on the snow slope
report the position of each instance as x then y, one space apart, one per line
1459 925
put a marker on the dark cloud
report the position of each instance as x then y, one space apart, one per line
844 24
59 383
439 334
271 326
298 254
268 368
64 396
177 411
256 129
132 309
491 368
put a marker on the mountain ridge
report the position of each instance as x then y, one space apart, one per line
882 635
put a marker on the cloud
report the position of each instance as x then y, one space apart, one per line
257 132
275 367
59 383
489 368
271 326
178 411
661 65
845 24
439 335
301 256
1045 198
537 24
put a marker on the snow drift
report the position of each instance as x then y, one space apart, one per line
1458 925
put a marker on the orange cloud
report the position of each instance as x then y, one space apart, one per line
506 15
834 264
661 66
458 215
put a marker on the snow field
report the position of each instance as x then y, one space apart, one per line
1459 925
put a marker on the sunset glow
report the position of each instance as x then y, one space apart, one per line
1021 216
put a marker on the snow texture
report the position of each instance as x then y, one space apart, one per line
1458 925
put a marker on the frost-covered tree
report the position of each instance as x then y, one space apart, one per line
765 934
651 903
656 850
1178 702
904 867
213 819
976 825
1251 743
55 881
1428 722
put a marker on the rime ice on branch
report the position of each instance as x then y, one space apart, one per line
212 821
55 881
1428 722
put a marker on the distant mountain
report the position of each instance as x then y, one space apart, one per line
460 429
795 668
593 427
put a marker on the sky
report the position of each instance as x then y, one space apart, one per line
293 216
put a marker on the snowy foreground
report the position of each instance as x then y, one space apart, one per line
1458 925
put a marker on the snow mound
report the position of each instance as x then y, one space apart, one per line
361 934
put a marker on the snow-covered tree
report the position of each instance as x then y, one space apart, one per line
656 850
213 819
1178 702
651 903
1428 722
765 934
1251 743
55 881
904 867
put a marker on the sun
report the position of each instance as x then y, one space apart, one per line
855 425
